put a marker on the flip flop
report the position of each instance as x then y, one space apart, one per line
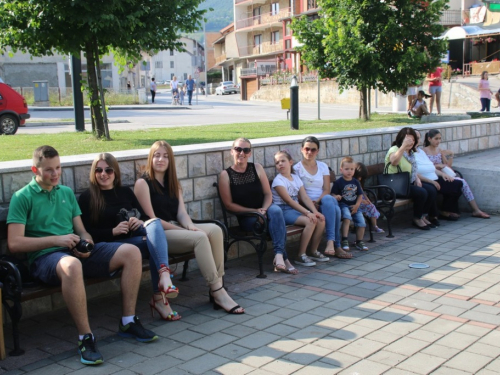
329 252
342 254
292 270
482 215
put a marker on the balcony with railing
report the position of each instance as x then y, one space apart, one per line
220 59
263 19
245 72
453 17
261 49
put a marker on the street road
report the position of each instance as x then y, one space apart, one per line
226 109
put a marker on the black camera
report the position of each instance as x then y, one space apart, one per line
125 215
83 246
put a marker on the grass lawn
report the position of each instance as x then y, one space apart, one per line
19 146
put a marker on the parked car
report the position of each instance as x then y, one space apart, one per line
13 110
227 87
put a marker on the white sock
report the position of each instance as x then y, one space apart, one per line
127 319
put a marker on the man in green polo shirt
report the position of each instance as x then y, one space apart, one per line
44 221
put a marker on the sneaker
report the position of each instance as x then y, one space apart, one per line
378 230
360 245
345 245
318 257
136 331
305 261
409 114
89 355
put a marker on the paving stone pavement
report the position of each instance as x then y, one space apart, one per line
368 315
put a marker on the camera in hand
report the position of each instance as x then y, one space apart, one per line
125 215
84 246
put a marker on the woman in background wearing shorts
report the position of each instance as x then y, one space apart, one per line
435 88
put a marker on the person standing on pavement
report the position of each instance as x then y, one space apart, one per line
190 85
153 90
435 87
174 85
485 92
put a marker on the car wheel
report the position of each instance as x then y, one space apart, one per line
8 124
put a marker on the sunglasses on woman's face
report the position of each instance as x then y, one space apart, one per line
311 150
108 170
246 150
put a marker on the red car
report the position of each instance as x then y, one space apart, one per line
13 110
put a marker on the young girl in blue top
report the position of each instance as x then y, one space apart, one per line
287 189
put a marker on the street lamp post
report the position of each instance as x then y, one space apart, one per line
319 98
294 104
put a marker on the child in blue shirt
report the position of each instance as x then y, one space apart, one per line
348 191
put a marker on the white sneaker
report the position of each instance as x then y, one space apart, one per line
318 257
305 261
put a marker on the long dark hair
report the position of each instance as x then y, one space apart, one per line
430 134
401 136
311 139
97 202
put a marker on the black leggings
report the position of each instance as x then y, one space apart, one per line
424 200
451 191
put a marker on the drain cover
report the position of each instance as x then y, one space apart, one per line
418 265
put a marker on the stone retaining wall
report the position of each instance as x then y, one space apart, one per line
198 166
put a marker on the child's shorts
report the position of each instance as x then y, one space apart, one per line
290 214
357 218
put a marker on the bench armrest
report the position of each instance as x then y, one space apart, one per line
260 225
216 222
383 195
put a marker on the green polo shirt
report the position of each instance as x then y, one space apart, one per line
43 213
404 164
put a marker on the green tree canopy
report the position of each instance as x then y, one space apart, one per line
94 26
386 44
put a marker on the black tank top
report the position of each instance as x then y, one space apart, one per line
246 188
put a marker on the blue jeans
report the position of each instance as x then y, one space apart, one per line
357 218
276 226
154 247
330 208
190 95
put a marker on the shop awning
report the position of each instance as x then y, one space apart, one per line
464 32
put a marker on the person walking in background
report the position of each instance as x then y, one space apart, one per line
182 92
485 92
153 90
190 85
174 85
435 88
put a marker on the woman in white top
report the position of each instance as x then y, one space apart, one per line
450 188
174 84
315 176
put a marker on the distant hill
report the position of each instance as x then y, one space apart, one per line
221 16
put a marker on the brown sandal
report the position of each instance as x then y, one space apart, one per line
342 254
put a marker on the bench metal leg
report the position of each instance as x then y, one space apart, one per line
261 249
389 216
184 271
11 300
370 230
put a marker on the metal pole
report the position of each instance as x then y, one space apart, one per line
294 104
205 59
76 74
319 100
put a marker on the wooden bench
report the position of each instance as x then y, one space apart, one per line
285 104
19 287
257 238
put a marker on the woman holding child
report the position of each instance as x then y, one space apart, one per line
402 156
160 194
315 176
244 187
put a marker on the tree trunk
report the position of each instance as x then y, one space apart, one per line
101 90
95 103
363 104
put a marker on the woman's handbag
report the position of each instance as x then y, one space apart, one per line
400 181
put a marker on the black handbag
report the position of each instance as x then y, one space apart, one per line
400 181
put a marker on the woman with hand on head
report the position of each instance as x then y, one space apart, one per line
315 176
110 213
444 158
244 187
402 155
160 194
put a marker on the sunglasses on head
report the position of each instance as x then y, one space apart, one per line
246 150
108 170
311 150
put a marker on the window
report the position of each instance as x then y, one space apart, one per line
171 64
171 52
257 40
275 37
275 8
287 55
288 29
185 76
288 44
311 4
172 76
159 64
256 12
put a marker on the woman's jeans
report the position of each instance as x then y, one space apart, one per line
424 200
152 243
329 207
276 225
485 104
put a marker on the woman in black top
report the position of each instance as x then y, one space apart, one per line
160 194
108 211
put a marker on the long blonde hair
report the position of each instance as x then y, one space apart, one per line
170 175
97 202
